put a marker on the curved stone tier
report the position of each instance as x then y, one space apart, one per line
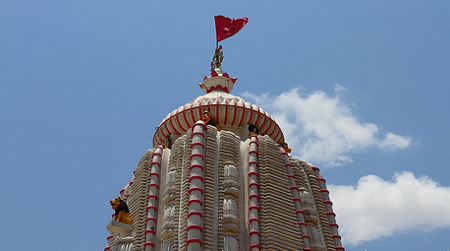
229 112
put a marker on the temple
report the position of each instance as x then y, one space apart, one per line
220 177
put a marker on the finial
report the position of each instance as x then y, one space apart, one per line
217 59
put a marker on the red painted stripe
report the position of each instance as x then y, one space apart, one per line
153 185
195 213
192 115
307 249
267 129
149 244
243 115
306 236
334 225
194 240
226 112
253 184
196 177
107 248
194 227
149 231
151 218
195 189
150 207
185 119
297 199
167 129
257 119
331 213
251 173
299 211
294 187
253 219
179 123
196 155
196 201
194 166
291 176
340 248
255 246
321 179
271 132
264 127
200 109
336 236
191 111
217 112
154 196
235 113
199 133
157 153
302 223
253 207
202 124
155 163
254 232
251 116
315 168
109 237
328 202
151 174
287 164
173 127
253 151
252 162
276 136
253 196
198 144
121 191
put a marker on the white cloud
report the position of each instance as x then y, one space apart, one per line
393 142
322 129
376 208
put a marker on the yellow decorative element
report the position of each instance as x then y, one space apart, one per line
122 214
285 147
168 142
206 117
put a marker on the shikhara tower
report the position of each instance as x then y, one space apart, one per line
219 186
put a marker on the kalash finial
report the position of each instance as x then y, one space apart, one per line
218 80
225 27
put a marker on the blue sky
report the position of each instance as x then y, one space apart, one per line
359 88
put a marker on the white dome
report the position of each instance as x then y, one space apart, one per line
227 110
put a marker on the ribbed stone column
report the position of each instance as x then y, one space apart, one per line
196 181
109 241
253 186
328 206
297 202
152 206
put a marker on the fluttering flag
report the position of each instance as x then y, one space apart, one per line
227 27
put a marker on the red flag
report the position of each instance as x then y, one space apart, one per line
225 27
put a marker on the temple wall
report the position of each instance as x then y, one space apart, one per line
252 196
279 226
